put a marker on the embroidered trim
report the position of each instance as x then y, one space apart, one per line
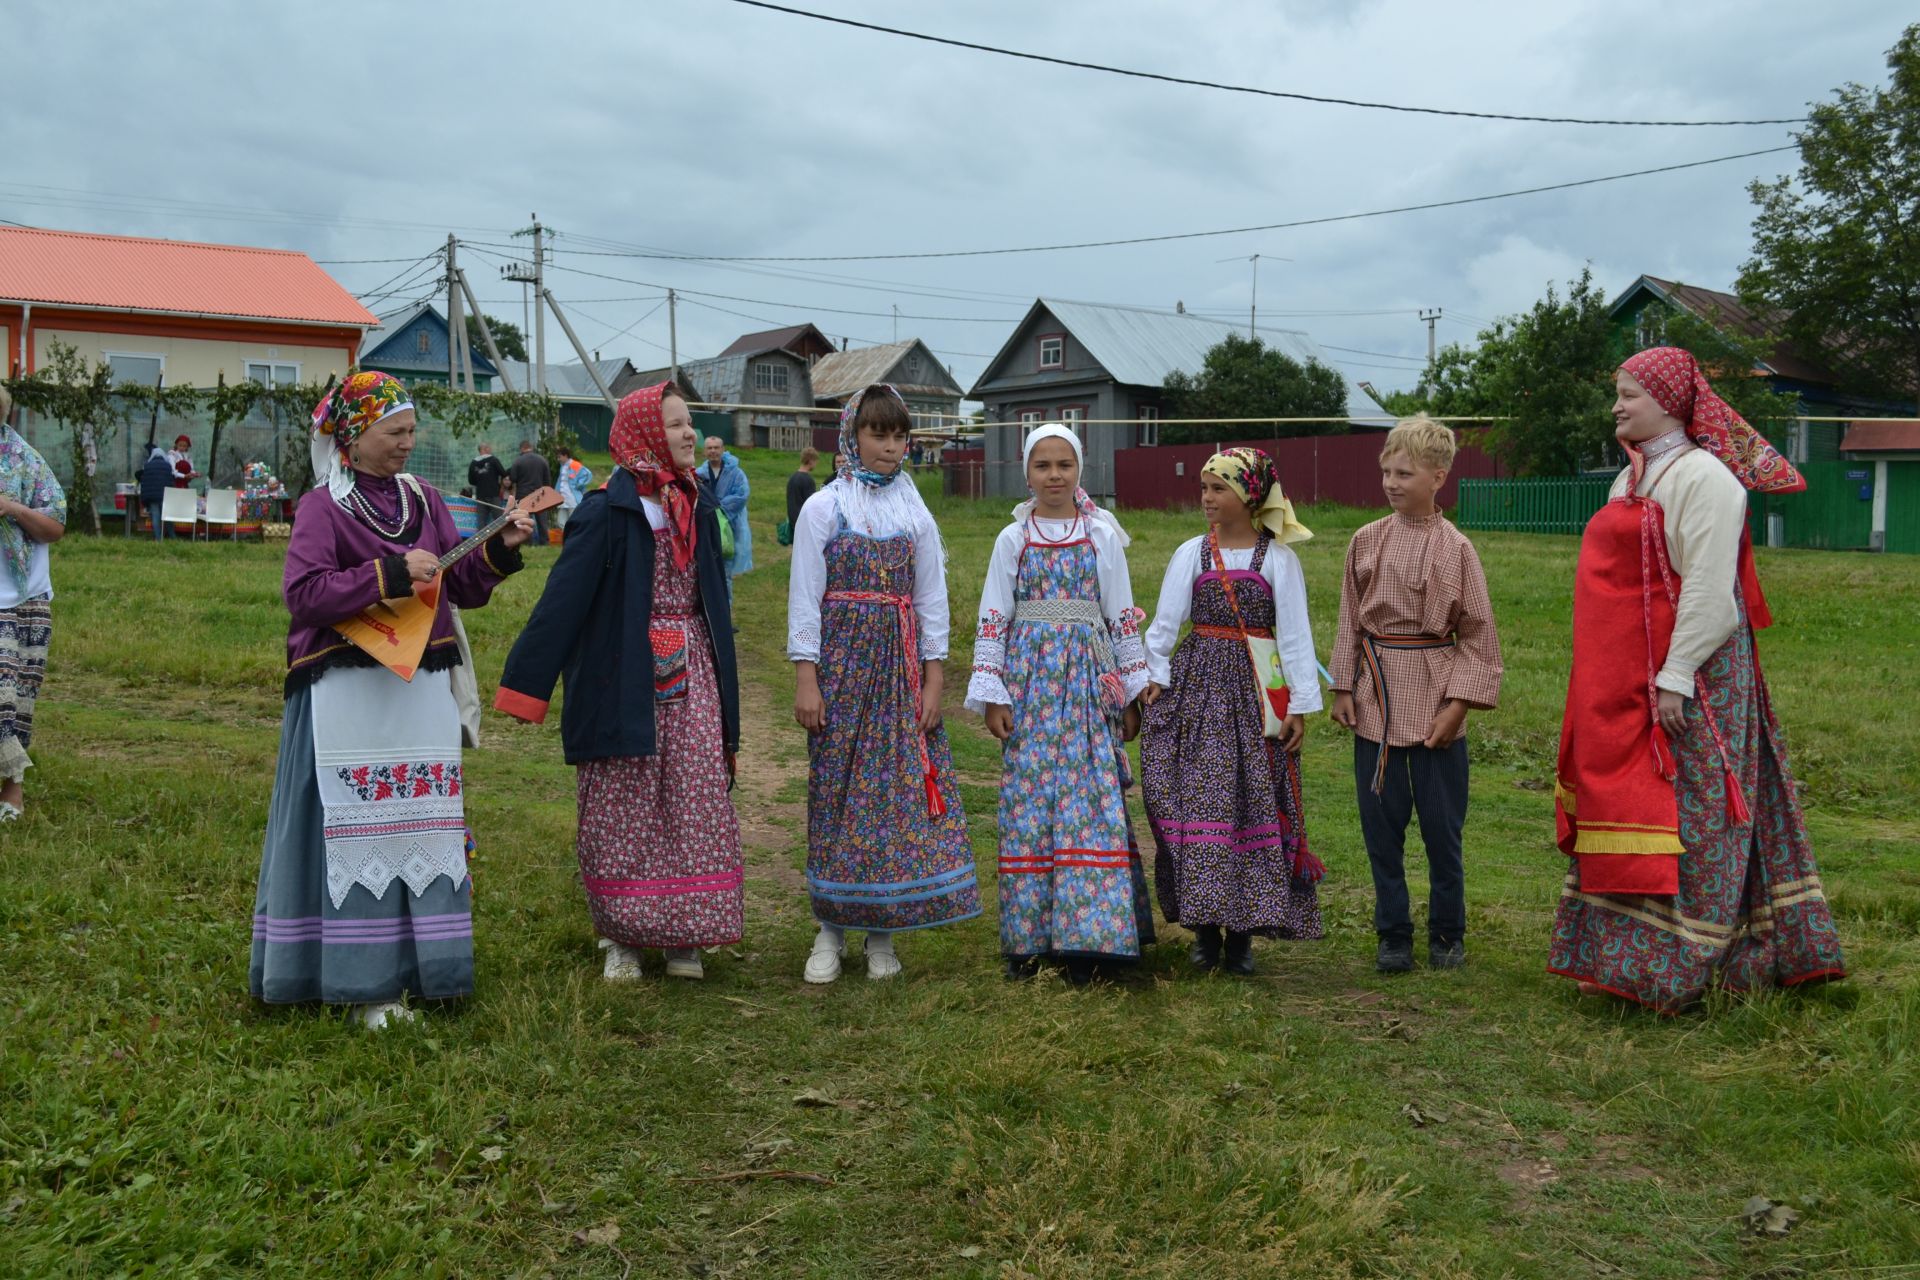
409 781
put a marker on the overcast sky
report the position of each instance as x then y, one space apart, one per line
364 131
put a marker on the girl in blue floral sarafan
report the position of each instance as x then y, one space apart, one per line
1057 664
867 623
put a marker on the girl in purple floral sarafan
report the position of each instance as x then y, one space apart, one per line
1057 664
867 624
1224 799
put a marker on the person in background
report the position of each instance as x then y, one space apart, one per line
181 459
574 481
485 473
529 472
33 515
801 485
156 476
730 488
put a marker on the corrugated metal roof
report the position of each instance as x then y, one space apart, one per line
839 375
566 381
1140 348
1882 435
126 273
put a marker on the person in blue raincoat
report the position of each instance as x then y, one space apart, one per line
724 476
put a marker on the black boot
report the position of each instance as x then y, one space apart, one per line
1239 958
1394 956
1206 947
1020 968
1081 970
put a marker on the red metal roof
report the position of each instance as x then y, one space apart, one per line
125 273
1882 435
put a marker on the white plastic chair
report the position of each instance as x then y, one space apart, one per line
180 506
223 507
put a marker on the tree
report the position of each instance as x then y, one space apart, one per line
1245 378
1836 253
506 336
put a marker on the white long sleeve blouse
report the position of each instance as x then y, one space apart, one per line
1292 630
1704 509
987 684
807 582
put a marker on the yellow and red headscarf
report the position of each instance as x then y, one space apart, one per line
343 416
1250 473
1673 378
639 444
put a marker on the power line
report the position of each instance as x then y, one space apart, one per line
1227 231
1265 93
1384 355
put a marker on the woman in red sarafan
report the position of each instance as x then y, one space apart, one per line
1691 864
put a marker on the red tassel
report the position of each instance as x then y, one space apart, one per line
1736 803
1309 868
936 803
1663 755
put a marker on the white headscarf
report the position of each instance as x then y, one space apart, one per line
1092 513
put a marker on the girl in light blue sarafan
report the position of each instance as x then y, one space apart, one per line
867 623
1057 664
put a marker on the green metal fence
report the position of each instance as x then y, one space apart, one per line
1903 507
1536 504
1835 513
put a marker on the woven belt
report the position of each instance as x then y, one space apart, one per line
1370 647
1231 633
1086 613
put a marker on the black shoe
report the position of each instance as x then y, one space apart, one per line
1020 968
1081 970
1239 957
1394 957
1206 947
1446 955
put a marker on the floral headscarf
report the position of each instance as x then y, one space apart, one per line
639 444
848 463
1251 474
343 416
27 479
1673 378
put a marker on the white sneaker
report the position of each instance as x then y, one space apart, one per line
881 962
623 962
379 1016
823 962
684 962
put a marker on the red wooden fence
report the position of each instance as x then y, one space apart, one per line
1343 469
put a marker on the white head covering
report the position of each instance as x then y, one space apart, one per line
1093 513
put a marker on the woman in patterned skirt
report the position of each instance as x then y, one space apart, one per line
1691 865
364 897
1057 664
33 516
635 617
867 620
1224 800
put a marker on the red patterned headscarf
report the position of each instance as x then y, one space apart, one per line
639 444
1673 378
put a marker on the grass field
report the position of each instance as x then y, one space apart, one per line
1318 1120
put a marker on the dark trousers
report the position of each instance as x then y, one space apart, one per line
1433 782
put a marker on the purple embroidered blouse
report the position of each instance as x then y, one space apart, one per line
337 565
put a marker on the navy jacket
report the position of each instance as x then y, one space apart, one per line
155 476
590 627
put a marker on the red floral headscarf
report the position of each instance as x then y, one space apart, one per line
1673 378
639 444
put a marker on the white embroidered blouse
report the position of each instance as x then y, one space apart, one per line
1291 629
987 686
1704 508
819 521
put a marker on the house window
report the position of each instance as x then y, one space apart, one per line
272 375
124 367
1650 328
770 377
1149 424
423 342
1029 419
916 367
1053 351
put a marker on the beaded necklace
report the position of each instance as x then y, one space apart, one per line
358 504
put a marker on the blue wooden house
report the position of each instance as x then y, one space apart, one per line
412 346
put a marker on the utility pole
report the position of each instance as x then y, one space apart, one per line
673 338
486 334
1430 315
453 317
896 322
536 278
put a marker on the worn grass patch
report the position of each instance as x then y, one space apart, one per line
1316 1120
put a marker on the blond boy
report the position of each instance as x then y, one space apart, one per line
1416 650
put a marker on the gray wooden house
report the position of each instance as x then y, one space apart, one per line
762 382
1101 369
932 395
